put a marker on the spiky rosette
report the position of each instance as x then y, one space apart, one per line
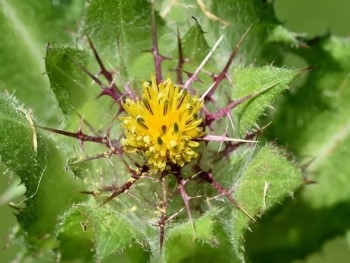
163 126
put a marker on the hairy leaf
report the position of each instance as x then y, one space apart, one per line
40 165
260 178
195 46
210 243
264 183
267 83
101 232
232 18
314 123
67 79
120 28
27 26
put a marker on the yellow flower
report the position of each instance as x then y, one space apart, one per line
163 124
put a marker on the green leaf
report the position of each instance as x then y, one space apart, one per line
68 81
279 34
314 123
121 32
128 23
241 14
232 18
28 26
264 183
270 81
40 165
75 236
195 47
209 244
101 232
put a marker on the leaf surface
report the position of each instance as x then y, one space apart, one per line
102 232
28 27
314 123
67 79
40 165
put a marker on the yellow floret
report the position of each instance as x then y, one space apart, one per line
163 124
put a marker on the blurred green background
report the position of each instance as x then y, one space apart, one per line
313 17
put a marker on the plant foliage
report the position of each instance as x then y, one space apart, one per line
61 133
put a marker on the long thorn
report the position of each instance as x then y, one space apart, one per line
91 158
163 211
78 135
233 146
234 201
124 188
220 138
194 76
186 200
181 59
209 93
185 197
93 77
155 51
107 74
135 175
223 112
207 176
88 124
110 91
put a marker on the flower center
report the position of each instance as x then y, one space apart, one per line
163 124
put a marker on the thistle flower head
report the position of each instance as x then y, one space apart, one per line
163 124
